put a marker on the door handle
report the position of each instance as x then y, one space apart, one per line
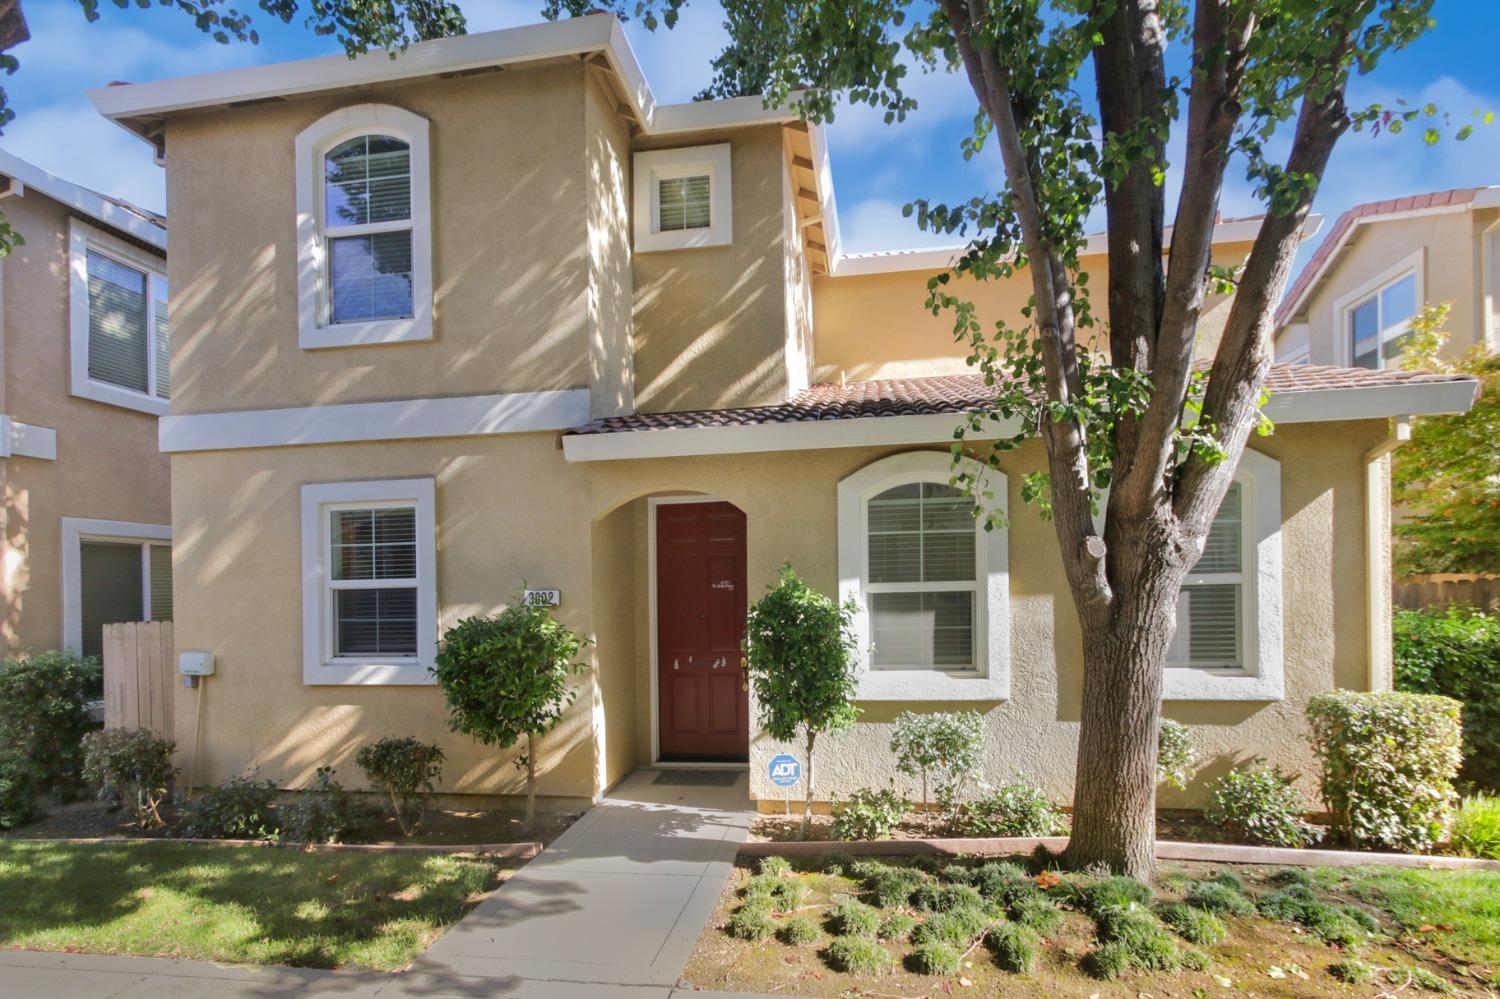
676 664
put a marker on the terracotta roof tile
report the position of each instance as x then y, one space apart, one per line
953 394
1346 221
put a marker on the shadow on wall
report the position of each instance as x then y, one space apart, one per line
15 563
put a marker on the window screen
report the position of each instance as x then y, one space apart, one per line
373 575
683 203
111 588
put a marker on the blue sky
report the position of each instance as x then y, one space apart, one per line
876 167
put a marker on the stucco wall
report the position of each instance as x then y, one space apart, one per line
107 465
512 508
510 249
710 325
1450 272
607 161
876 326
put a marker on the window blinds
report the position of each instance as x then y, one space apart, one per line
373 570
367 218
111 589
161 582
1209 628
682 203
119 334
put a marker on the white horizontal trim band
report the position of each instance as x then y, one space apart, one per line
1318 406
405 419
22 440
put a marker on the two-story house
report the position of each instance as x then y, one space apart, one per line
1380 264
86 519
485 313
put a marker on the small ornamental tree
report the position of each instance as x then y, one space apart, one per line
403 769
941 750
799 653
506 677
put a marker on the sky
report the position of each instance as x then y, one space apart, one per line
877 167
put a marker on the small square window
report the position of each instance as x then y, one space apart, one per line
682 198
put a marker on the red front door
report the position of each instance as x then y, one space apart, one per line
700 620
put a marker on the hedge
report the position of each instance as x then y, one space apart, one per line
1388 764
1456 653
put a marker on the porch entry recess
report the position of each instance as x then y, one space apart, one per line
704 709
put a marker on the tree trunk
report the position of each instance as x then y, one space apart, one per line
1114 798
530 781
807 804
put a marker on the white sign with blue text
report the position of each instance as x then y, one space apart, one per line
784 770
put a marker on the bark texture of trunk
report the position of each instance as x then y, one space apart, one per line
807 804
530 780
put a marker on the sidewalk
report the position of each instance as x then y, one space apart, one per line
612 908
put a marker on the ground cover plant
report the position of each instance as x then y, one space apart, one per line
1017 927
255 905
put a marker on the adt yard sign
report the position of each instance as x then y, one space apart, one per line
784 770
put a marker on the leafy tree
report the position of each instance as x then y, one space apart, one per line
799 653
1446 479
942 748
1123 407
506 678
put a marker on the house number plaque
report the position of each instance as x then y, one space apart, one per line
543 598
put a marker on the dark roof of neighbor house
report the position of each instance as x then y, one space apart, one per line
1390 206
955 394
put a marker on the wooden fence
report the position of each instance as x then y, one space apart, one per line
1442 589
139 676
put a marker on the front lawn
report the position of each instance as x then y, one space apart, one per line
926 927
239 904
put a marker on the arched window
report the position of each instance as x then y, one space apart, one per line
364 228
931 585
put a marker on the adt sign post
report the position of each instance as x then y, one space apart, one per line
785 771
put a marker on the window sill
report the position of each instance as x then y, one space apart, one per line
1183 684
113 395
688 239
381 331
929 685
354 673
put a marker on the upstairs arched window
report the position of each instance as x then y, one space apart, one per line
364 228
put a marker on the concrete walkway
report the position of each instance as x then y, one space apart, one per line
613 908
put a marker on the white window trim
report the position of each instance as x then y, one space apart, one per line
77 530
990 680
319 666
82 238
313 331
1263 676
1413 264
659 164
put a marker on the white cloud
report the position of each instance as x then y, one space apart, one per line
876 224
74 142
941 97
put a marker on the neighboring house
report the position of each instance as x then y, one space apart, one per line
1381 264
83 381
485 313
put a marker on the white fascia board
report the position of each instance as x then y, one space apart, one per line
700 116
81 199
803 435
22 440
1329 405
406 419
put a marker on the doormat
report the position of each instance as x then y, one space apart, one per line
698 778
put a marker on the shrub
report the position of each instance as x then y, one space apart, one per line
1146 944
20 789
852 918
1175 758
326 813
788 894
1388 761
1118 892
1456 652
132 765
238 808
1193 959
1264 806
959 927
1015 947
404 770
869 814
1004 882
1334 924
1476 827
799 931
1014 809
44 713
935 958
1352 971
1036 911
505 679
1219 899
1192 924
752 921
893 886
761 886
941 749
896 926
932 897
1107 961
775 867
858 956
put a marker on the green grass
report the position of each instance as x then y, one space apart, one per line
1460 909
251 905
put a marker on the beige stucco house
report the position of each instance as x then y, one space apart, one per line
1381 263
486 314
84 378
